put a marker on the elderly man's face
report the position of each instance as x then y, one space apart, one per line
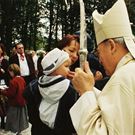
104 52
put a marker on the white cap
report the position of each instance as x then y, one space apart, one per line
53 59
114 23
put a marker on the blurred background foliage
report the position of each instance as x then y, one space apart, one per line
41 23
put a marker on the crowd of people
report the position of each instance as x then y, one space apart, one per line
95 100
21 68
16 71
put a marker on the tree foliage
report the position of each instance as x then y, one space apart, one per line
41 23
19 22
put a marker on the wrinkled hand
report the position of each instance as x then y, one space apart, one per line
83 80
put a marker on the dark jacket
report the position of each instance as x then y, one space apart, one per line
63 124
15 59
4 65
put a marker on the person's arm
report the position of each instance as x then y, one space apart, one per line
10 91
86 115
86 112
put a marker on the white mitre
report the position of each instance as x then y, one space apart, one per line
114 23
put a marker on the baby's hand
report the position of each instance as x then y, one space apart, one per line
70 75
98 76
2 70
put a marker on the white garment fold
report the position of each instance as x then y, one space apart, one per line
50 98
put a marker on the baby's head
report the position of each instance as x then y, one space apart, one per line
14 70
56 62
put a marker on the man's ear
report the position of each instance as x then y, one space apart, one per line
113 45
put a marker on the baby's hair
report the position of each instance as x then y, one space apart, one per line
15 68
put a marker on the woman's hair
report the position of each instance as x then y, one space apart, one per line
66 40
15 69
3 49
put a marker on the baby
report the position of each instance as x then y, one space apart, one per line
58 95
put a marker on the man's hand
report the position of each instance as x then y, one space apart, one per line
83 80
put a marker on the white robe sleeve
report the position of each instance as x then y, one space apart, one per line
86 115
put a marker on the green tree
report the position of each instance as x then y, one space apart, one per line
23 20
19 22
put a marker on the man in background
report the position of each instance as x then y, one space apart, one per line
25 63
